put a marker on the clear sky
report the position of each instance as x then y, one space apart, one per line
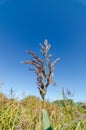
25 24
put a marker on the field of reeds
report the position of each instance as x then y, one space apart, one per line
26 114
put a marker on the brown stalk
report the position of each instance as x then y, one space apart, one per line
44 79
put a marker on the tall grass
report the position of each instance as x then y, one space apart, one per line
26 114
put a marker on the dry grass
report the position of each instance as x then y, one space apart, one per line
26 114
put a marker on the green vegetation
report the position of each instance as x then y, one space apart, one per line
46 120
27 115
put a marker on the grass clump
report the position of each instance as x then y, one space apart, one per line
26 114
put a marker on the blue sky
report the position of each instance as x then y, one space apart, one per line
25 24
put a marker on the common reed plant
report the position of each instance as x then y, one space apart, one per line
44 69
